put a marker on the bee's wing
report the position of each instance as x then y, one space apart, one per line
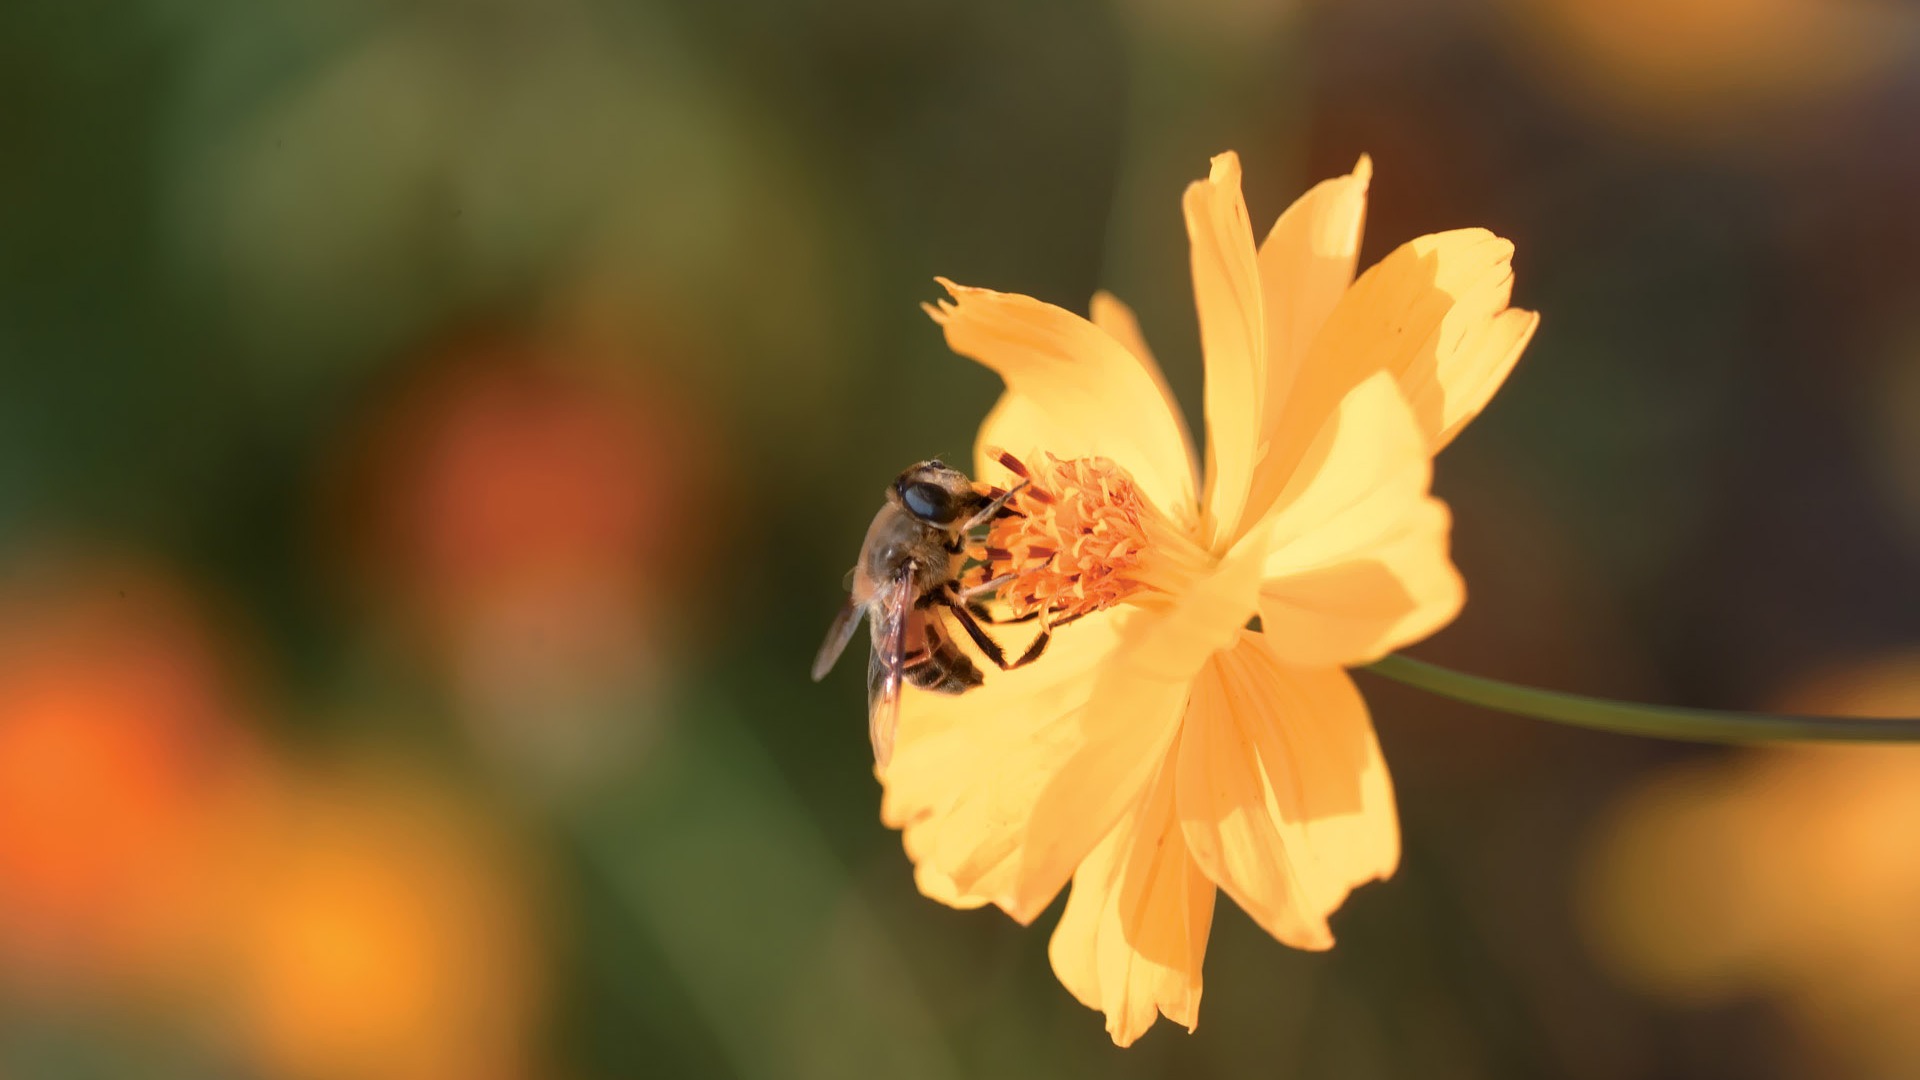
890 610
841 632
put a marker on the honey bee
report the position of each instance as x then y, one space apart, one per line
906 583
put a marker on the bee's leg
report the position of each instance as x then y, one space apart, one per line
976 582
972 626
1038 645
970 621
1040 641
1034 650
969 594
987 512
984 587
980 612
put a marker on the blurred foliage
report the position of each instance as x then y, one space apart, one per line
433 434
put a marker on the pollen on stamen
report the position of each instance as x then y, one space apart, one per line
1079 528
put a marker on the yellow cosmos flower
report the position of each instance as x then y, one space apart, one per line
1160 749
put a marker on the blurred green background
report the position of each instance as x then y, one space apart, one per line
433 434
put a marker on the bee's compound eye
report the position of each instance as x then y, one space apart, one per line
927 501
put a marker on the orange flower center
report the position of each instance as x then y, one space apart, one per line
1081 538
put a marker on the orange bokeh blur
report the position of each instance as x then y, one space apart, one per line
378 930
516 479
120 753
1785 873
534 516
1703 65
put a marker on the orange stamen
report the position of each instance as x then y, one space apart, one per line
1077 540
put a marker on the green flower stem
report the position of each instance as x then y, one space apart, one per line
1628 718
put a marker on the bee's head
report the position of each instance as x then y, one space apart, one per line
935 494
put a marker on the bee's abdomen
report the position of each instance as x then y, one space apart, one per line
947 670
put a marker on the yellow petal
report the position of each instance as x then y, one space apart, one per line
1281 790
1329 735
1233 338
935 885
1359 564
1134 932
1306 265
1465 351
1071 390
1433 313
1006 788
1110 314
1396 587
1000 792
1231 812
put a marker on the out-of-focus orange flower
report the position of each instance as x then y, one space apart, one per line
1159 749
1789 873
522 508
1697 62
377 931
119 755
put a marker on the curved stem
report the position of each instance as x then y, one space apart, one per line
1629 718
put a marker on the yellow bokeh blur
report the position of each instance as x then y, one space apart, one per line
1787 874
381 930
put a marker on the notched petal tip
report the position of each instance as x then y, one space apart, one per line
1224 168
1223 179
938 887
1320 940
1472 247
958 294
1075 390
1434 313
